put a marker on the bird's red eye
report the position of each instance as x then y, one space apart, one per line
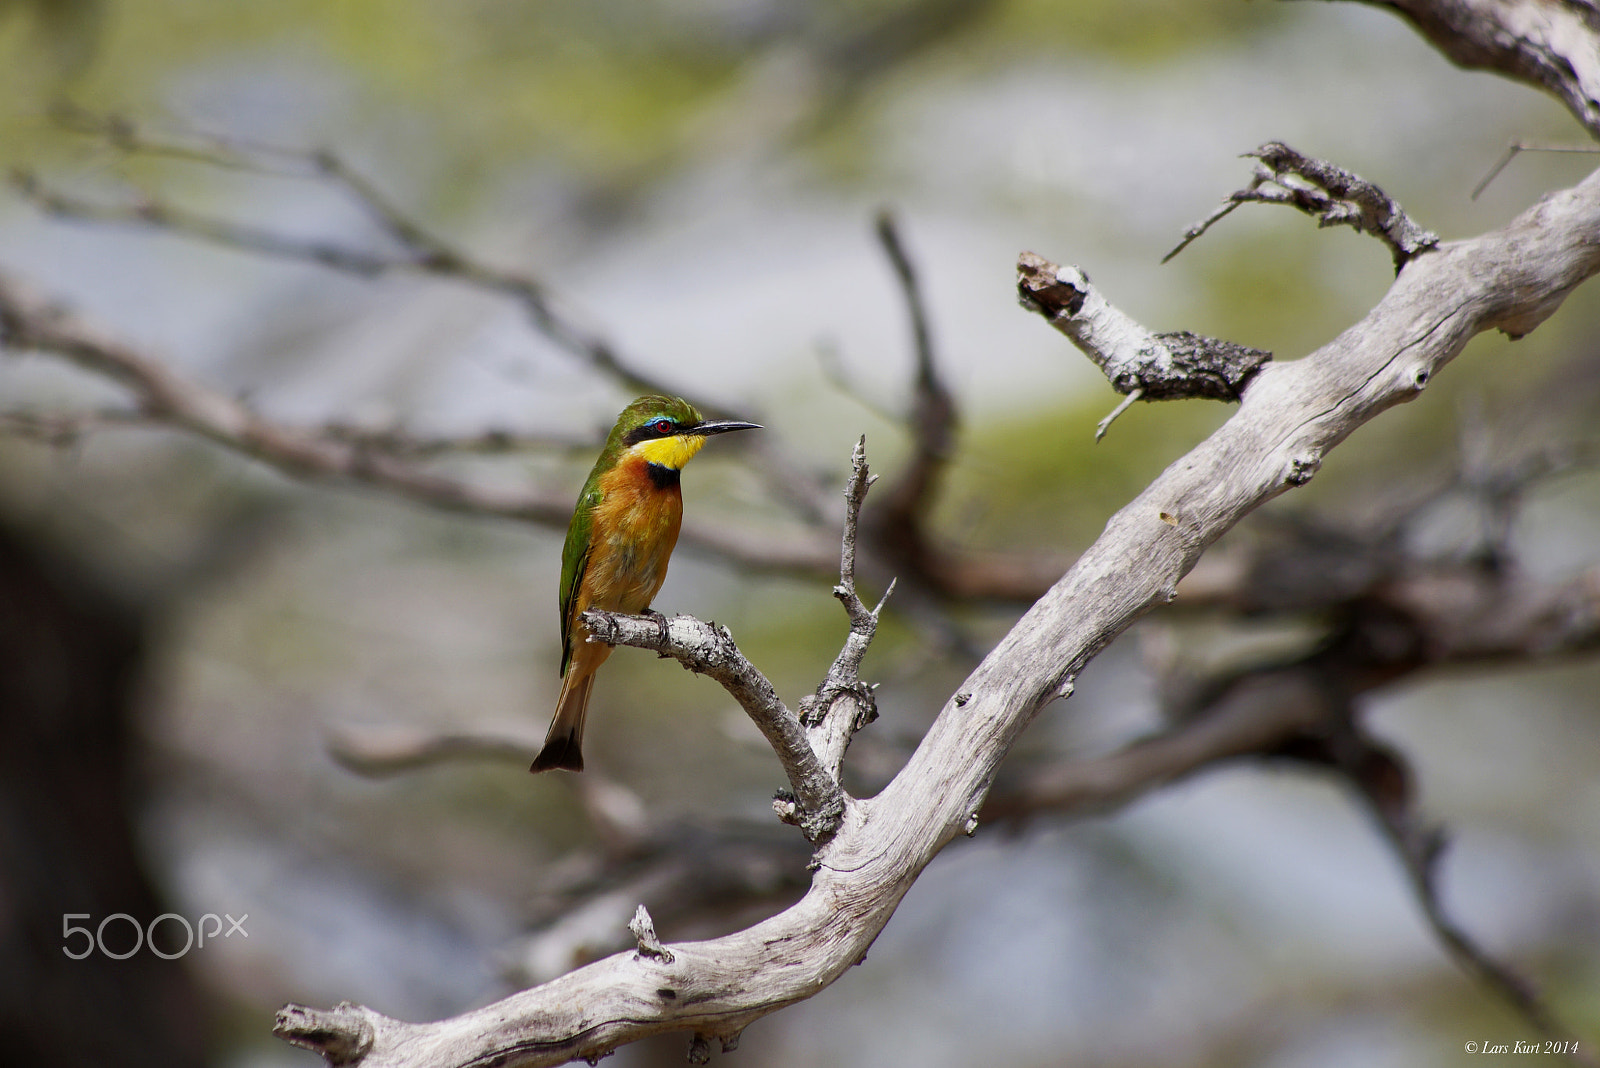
663 426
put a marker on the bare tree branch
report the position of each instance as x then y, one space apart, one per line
378 752
1260 715
842 703
1396 613
807 550
1383 779
899 528
897 539
932 417
1409 616
1290 416
384 460
1548 44
29 323
1143 364
68 428
1430 619
812 746
421 251
709 650
1490 612
1330 194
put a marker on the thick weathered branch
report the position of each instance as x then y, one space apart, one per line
1394 614
1552 45
1290 416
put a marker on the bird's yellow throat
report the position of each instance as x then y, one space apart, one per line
671 452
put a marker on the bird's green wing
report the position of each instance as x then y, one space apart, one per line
574 561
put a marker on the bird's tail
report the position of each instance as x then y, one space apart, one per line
563 744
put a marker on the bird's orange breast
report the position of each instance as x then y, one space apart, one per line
635 529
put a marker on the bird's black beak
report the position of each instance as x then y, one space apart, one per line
722 426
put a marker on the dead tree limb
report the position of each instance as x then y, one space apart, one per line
162 396
1138 362
1290 416
1549 44
842 703
1328 193
707 649
1383 779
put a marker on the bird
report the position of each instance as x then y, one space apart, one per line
622 533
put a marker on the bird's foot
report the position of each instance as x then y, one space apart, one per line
661 629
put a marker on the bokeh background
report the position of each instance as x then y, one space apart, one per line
698 179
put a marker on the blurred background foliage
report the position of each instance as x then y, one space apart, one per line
699 178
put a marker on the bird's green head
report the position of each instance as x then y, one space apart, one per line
665 431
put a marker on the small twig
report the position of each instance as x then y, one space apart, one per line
842 703
1517 147
833 369
493 442
855 494
152 213
710 650
1331 194
213 150
342 1035
67 428
1217 213
422 252
1127 402
644 930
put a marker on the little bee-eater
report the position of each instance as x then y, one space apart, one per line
618 544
